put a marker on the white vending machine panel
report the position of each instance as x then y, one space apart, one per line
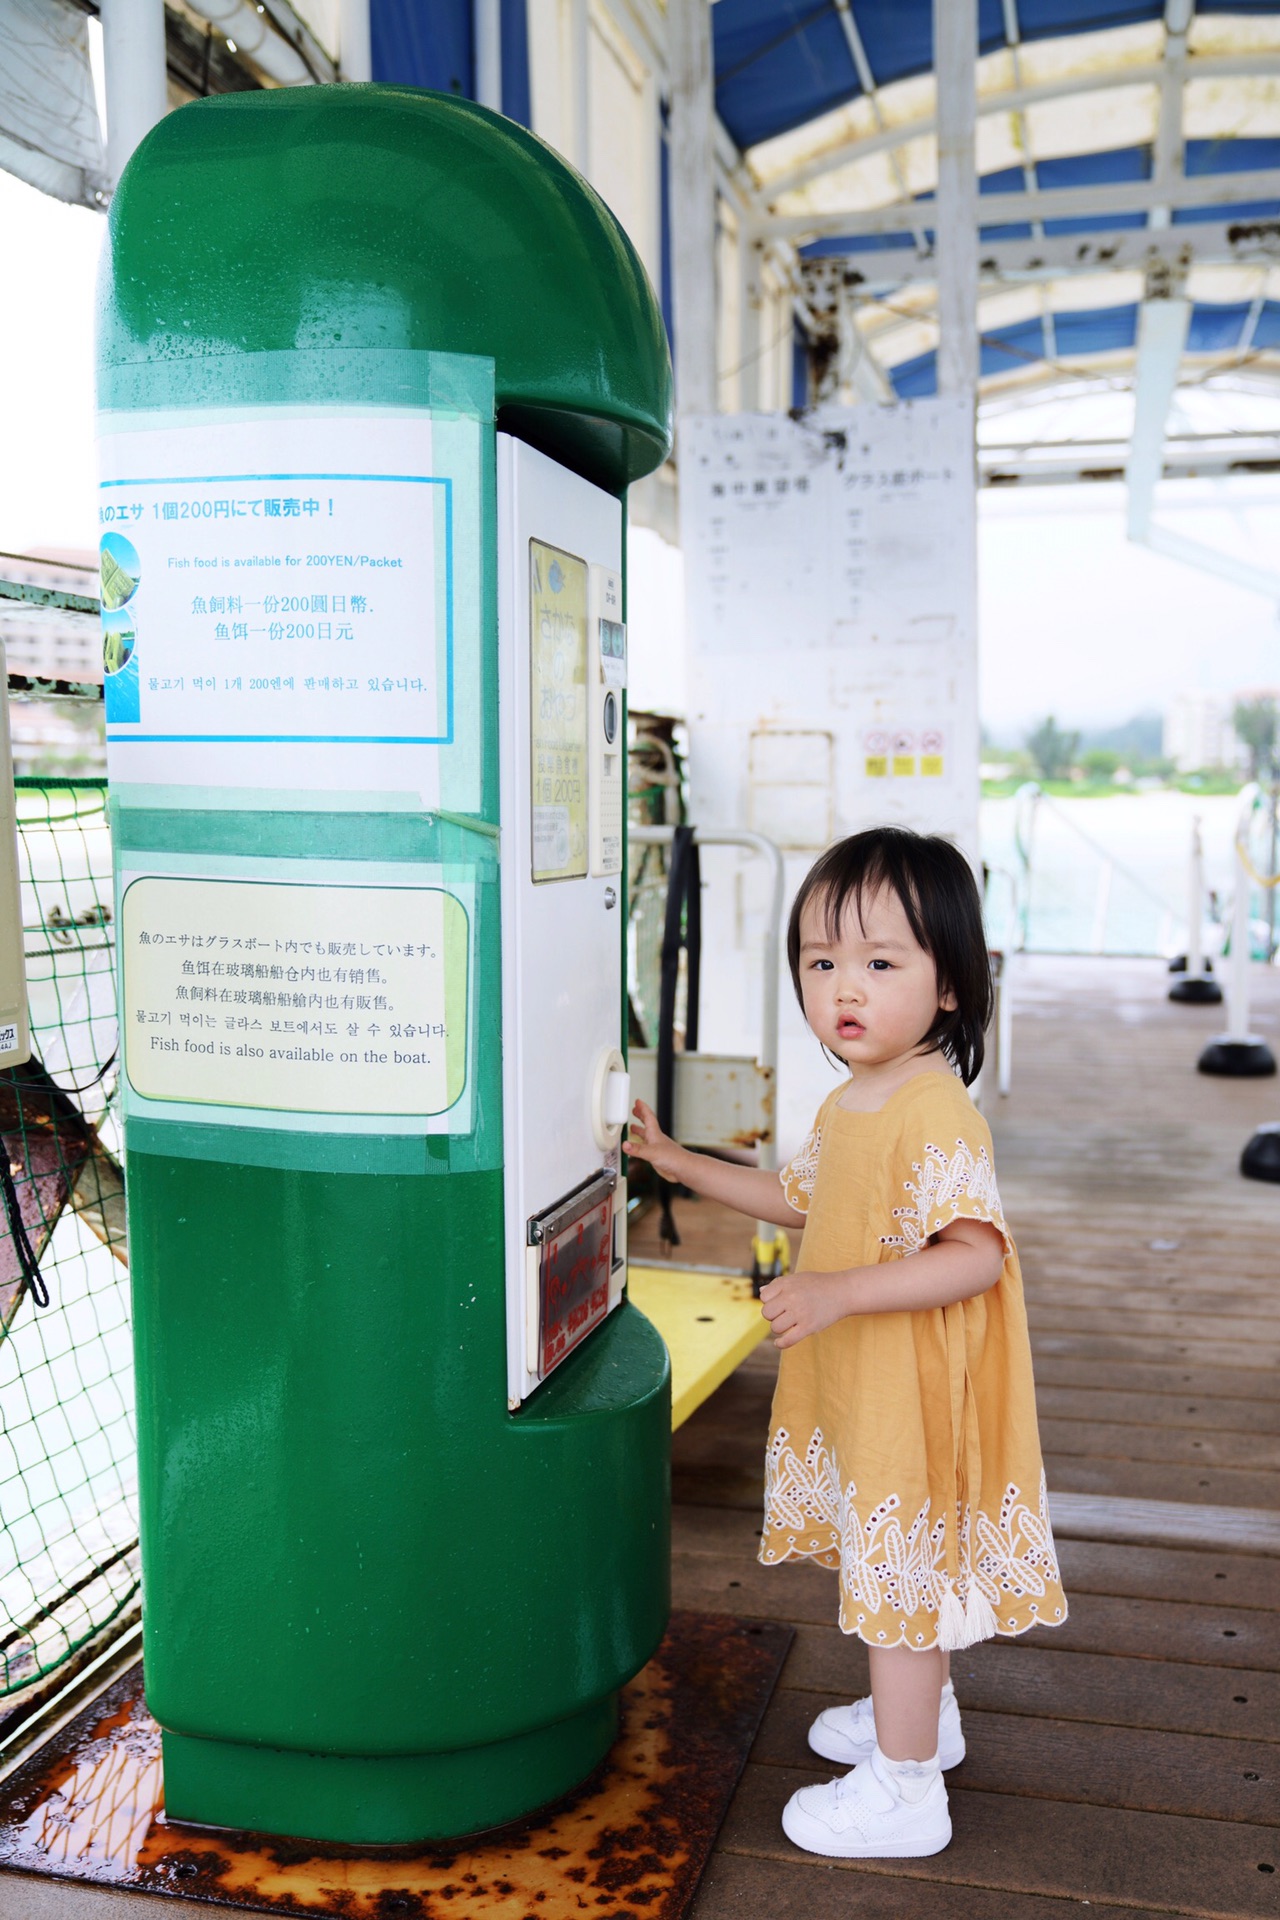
562 654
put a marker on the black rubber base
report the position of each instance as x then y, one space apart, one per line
1261 1158
1238 1059
1196 990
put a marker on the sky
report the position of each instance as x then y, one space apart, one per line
1073 619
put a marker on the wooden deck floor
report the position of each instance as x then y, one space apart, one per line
1129 1760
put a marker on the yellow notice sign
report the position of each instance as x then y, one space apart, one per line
558 712
295 999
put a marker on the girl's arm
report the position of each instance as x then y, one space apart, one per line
966 1259
754 1191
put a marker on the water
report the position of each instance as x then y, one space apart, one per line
1147 839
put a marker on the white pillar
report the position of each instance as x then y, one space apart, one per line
580 75
955 56
133 62
1195 904
355 47
750 307
488 53
1241 937
693 203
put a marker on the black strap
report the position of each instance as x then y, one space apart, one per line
32 1279
682 928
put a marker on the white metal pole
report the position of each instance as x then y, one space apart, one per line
1101 903
355 46
955 57
1195 904
487 28
580 77
133 63
1238 995
693 203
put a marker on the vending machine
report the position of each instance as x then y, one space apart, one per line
375 372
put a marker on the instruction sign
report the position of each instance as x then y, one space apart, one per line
558 712
287 580
295 998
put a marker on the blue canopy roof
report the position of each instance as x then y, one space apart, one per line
782 62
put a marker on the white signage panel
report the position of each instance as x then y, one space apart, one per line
295 579
275 998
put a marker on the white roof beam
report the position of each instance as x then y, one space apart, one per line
955 44
1057 203
866 80
693 215
1216 66
1167 159
1162 336
1059 257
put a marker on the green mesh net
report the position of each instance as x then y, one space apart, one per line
68 1511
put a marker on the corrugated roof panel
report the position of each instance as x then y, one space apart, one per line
1240 106
1267 331
1217 329
1114 117
1048 19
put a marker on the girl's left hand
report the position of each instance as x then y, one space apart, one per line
798 1304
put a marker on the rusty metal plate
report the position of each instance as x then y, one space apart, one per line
630 1844
721 1099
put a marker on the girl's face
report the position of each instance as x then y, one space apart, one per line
870 994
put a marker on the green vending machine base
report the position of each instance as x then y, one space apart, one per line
389 1799
375 372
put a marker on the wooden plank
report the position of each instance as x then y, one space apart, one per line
1200 1414
1111 1689
1167 1629
709 1322
1183 1444
1177 1506
1057 1848
1230 1299
732 1535
1204 1330
743 1887
1071 1760
1139 1377
1085 1344
1090 1566
1164 1629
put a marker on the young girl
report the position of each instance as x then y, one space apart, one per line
904 1448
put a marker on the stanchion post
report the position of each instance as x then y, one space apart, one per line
1196 987
1238 1054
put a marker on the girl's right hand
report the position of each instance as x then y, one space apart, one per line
646 1141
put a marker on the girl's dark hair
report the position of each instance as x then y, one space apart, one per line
939 896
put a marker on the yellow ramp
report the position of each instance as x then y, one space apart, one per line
710 1322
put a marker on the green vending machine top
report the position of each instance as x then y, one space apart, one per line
375 370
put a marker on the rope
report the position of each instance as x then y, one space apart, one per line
1267 880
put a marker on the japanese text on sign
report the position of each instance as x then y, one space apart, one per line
312 606
300 999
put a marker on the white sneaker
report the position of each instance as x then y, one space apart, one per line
848 1734
863 1817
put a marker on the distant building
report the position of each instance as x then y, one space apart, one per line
42 642
1198 733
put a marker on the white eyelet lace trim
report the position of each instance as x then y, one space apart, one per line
801 1170
889 1571
942 1185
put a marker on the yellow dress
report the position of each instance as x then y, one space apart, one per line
904 1448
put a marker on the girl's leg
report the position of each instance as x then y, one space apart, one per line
906 1688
